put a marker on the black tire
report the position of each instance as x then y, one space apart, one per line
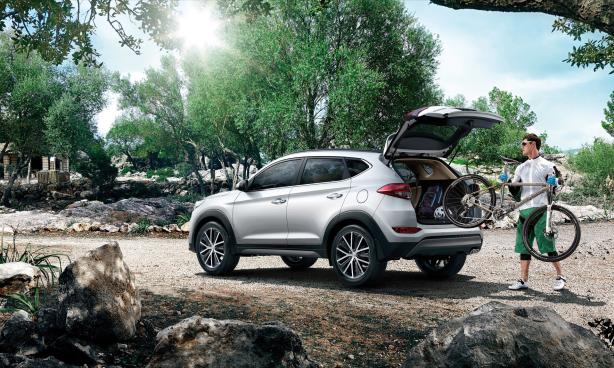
213 262
297 262
458 189
363 259
441 267
529 224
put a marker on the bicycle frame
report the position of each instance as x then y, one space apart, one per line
499 211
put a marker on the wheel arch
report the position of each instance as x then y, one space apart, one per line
359 218
212 215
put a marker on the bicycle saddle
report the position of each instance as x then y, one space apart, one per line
509 160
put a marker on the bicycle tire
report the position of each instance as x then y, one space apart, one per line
532 220
458 187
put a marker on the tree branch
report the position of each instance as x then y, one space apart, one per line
596 13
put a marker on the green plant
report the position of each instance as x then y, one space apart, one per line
183 219
596 163
126 170
50 264
30 301
141 226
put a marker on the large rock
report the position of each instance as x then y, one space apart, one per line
20 361
498 335
204 342
16 277
98 298
19 335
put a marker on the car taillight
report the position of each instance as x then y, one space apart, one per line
406 229
396 190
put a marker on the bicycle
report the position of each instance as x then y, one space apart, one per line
470 200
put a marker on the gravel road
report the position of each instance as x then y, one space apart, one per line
395 314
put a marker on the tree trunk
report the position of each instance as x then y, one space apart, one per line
596 13
8 190
131 160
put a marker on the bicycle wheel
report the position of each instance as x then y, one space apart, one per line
564 233
469 201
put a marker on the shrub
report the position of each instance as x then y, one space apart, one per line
142 226
596 163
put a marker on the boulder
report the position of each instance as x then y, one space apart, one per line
185 227
20 361
98 298
109 228
19 336
79 227
16 277
205 342
498 335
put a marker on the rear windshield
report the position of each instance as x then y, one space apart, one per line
405 172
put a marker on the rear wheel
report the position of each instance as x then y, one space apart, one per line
354 257
469 201
297 262
441 266
214 249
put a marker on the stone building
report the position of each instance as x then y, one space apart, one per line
37 164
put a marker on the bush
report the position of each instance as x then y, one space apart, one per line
596 163
184 169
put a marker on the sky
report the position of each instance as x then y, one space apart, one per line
516 52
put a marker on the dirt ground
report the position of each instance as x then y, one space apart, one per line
344 327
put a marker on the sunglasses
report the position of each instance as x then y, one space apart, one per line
525 143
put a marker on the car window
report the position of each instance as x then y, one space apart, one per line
320 170
355 166
282 174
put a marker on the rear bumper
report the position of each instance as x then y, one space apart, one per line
432 246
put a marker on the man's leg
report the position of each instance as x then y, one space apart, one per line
546 245
525 257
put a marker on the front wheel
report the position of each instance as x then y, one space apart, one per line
469 201
441 266
214 249
560 242
297 262
354 257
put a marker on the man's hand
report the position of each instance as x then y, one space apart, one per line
551 180
504 177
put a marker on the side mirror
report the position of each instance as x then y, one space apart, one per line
242 185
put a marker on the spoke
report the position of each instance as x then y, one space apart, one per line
346 242
364 261
362 249
345 256
207 236
207 259
352 267
352 241
347 265
218 243
217 235
345 253
359 267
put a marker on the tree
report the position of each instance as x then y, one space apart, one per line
608 122
55 28
596 14
44 108
484 146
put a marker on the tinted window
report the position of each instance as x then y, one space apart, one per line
320 170
355 167
405 172
282 174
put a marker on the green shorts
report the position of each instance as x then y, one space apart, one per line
544 244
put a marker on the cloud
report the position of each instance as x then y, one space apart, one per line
107 116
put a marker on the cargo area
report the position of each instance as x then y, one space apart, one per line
428 179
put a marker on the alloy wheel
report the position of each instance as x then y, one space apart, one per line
212 252
353 256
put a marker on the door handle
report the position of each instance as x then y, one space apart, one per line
334 195
278 201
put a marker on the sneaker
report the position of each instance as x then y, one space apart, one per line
519 285
559 283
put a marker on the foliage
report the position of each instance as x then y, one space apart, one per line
55 28
484 146
49 263
597 52
29 301
596 163
94 163
608 122
142 226
183 219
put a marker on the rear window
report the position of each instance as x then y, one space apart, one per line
356 166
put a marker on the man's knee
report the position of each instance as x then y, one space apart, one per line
527 257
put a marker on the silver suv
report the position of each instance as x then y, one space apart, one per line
358 209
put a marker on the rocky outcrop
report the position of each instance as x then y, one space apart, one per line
498 335
204 342
98 298
16 277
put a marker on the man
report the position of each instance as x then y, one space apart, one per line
534 170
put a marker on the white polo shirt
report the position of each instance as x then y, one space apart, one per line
533 171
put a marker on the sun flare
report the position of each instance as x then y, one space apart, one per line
198 27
